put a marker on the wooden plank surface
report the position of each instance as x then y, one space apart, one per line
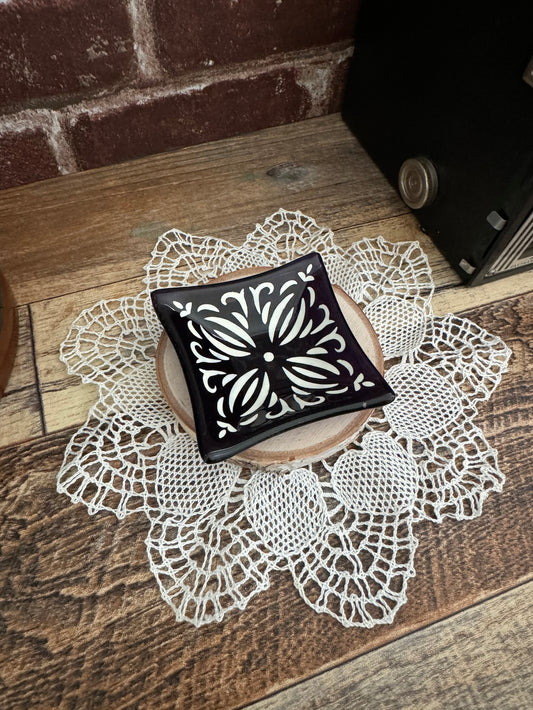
20 408
72 240
65 399
85 625
480 658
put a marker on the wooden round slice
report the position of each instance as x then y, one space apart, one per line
297 446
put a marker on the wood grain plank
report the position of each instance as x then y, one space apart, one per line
85 627
20 407
480 658
101 223
454 300
79 231
66 401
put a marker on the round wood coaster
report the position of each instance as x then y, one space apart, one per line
297 446
8 332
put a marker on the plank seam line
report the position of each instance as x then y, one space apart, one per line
36 438
357 225
523 583
511 297
500 300
36 371
139 276
18 390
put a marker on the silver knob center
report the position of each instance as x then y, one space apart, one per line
418 182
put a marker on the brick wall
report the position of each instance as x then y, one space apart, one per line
86 83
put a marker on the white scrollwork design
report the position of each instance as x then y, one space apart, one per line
227 329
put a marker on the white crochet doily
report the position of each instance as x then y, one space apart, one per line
342 527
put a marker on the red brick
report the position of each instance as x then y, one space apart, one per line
195 33
219 110
59 49
25 157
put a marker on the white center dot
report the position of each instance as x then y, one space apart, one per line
269 357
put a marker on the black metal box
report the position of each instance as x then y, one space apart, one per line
440 94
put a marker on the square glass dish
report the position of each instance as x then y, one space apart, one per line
266 353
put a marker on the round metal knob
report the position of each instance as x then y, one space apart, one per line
418 182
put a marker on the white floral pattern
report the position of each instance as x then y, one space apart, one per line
268 348
342 527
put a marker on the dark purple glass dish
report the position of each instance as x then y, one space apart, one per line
266 353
